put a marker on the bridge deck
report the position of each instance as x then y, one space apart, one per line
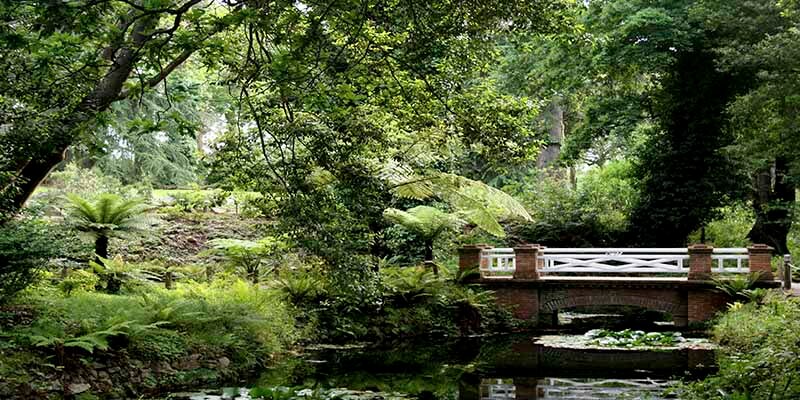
611 281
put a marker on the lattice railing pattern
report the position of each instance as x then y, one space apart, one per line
615 260
501 262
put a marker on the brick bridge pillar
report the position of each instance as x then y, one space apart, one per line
702 303
469 256
527 261
700 262
760 261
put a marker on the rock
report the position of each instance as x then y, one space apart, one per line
76 388
224 362
191 362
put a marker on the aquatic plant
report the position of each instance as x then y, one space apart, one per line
631 338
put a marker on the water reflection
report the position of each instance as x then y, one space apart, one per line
578 388
504 368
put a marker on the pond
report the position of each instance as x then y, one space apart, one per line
507 367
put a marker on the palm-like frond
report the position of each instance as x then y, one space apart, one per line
107 214
425 221
478 202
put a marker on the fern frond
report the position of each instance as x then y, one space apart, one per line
476 201
425 221
108 213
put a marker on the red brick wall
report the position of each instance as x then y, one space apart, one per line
527 300
523 301
703 304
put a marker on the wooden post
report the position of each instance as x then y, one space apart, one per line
700 262
469 256
787 272
527 256
760 260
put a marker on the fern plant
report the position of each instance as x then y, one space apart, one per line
476 201
89 342
246 256
740 288
110 215
427 223
114 272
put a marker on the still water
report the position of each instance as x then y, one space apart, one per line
510 367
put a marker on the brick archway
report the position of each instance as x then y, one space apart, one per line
611 299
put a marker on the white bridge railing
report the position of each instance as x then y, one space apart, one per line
501 262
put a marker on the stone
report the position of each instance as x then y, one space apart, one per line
76 388
224 362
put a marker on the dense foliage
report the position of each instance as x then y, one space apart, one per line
758 358
256 174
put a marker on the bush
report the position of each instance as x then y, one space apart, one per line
759 356
233 318
731 229
25 248
198 200
411 302
594 214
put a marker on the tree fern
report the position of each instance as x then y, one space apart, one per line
476 201
427 223
109 215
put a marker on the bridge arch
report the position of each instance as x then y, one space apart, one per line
611 299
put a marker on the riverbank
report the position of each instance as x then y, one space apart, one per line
759 354
145 341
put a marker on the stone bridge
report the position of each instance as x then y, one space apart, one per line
537 282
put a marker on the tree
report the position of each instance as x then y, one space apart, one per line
65 62
428 223
320 132
762 37
659 58
108 216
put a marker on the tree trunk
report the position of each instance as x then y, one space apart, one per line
429 257
254 275
550 154
773 201
33 173
168 280
101 248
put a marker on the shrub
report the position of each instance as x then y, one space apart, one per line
227 317
78 281
731 229
198 200
25 247
595 213
759 356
